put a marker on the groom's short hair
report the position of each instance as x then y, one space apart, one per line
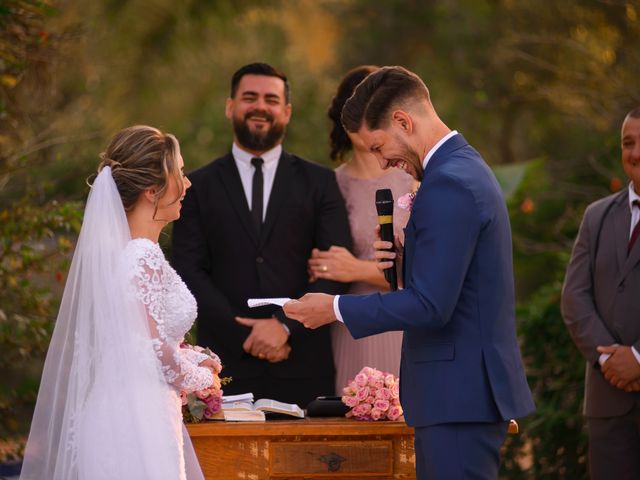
260 69
375 96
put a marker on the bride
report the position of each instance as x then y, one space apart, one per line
108 405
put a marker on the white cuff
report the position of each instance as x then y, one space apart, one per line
603 358
635 353
286 328
336 309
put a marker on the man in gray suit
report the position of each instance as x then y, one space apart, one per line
601 308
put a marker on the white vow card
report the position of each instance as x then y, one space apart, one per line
261 302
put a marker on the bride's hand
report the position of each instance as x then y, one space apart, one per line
211 365
337 264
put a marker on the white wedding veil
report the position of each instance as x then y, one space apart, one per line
102 410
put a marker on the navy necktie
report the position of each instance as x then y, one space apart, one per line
636 230
257 193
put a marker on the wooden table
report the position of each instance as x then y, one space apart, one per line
322 448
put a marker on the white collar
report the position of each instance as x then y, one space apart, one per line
436 147
269 157
633 196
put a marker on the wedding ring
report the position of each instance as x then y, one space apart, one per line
324 268
261 356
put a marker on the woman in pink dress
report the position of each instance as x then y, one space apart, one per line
359 176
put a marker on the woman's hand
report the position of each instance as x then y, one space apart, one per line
211 365
337 264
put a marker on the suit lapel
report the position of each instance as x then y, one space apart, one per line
235 191
621 220
279 193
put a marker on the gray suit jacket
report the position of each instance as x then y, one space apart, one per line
601 297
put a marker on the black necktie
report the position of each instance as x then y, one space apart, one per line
257 193
636 230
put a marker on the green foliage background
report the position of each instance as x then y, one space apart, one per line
539 89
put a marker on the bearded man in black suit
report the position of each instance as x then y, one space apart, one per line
247 228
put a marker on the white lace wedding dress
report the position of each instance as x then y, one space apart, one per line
108 406
170 310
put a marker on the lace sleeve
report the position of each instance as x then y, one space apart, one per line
194 357
178 367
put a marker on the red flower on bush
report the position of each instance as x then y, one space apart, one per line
527 206
616 184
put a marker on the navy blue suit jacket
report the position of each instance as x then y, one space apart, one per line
460 356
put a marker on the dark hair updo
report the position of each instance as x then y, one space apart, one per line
338 138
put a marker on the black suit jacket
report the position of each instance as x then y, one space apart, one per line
224 261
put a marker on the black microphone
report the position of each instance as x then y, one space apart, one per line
384 206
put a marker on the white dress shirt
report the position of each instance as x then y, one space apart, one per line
635 211
336 308
635 217
246 170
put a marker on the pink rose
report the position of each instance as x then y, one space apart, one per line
383 393
204 393
361 410
389 380
395 391
382 405
213 404
362 393
183 397
349 390
394 412
376 414
361 379
370 399
350 401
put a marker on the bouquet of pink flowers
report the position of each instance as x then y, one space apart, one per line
207 402
373 395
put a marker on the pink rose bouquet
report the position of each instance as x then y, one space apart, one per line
203 404
373 395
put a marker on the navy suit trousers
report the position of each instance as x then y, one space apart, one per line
457 451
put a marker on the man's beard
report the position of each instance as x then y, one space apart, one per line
412 158
259 141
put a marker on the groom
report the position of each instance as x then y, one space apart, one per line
461 371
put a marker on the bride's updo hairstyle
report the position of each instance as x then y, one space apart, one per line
141 158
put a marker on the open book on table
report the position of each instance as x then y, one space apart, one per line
242 408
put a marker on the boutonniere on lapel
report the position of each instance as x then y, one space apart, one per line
405 202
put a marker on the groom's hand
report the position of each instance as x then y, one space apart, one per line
386 258
313 310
